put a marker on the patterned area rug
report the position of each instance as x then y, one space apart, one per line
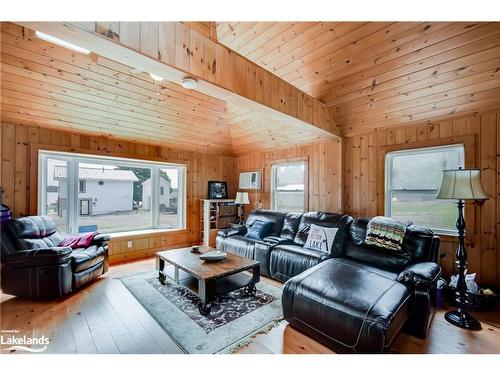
233 320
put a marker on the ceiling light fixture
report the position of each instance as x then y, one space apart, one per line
62 43
189 83
156 78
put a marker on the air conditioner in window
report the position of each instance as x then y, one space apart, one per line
250 180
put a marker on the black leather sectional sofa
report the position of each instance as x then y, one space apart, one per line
355 299
35 266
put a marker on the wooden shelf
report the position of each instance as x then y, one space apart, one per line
225 212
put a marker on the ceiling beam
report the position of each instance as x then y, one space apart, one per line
173 51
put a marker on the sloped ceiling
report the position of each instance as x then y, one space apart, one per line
44 84
376 75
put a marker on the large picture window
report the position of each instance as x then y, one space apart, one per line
84 193
288 187
412 180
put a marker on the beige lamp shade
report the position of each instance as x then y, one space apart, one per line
241 198
462 184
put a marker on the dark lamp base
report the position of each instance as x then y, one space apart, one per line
462 319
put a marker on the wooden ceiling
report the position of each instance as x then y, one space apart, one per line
44 84
375 75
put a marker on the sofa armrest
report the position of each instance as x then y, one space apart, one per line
39 257
423 274
101 239
233 231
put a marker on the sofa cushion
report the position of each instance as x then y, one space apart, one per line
418 246
276 218
85 258
259 230
290 225
287 261
239 245
346 305
325 219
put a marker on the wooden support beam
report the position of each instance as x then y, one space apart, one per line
241 82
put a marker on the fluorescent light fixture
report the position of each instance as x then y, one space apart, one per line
189 83
156 78
62 43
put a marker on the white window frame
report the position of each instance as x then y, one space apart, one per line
73 161
274 172
389 157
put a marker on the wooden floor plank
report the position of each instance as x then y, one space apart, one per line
105 318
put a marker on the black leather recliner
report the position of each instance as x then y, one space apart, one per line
355 299
34 266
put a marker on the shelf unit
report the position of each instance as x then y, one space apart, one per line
216 214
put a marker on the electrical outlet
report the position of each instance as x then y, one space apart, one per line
129 244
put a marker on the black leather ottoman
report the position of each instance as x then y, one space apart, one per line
347 306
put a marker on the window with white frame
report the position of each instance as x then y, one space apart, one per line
84 193
288 186
412 179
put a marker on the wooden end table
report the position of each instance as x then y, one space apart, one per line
213 278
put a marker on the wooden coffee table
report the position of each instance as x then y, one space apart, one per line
208 279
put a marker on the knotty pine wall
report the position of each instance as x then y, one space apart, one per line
324 183
18 146
363 170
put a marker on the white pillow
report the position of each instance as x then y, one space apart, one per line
321 238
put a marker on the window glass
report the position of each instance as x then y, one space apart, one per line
110 194
115 198
288 187
55 193
169 206
413 179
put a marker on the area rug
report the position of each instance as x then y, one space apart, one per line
233 321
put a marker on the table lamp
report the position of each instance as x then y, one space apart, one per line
461 184
241 199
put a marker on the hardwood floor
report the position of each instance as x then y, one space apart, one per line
105 318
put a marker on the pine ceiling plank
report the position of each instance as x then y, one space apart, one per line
295 29
477 39
400 95
468 94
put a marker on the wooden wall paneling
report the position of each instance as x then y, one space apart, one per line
19 169
110 30
210 61
182 46
324 188
488 210
196 62
130 34
8 165
478 131
498 195
149 39
21 165
166 42
371 207
363 176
